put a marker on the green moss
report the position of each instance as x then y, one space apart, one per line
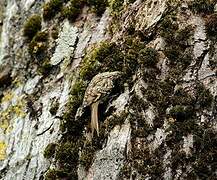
202 6
89 148
154 95
138 104
130 49
54 33
49 150
179 112
78 89
148 57
105 57
176 58
52 174
203 153
146 163
90 67
116 5
125 172
178 129
156 169
38 44
41 36
54 108
168 26
109 56
138 123
211 25
177 43
182 36
67 155
87 155
179 159
142 130
204 97
173 53
75 101
51 8
38 50
72 11
176 49
99 6
32 26
181 97
169 30
116 120
167 87
45 67
67 152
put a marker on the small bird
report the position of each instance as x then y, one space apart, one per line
100 86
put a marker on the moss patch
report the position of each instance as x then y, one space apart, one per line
54 108
177 49
148 57
54 33
49 150
52 174
203 153
72 11
116 5
161 94
32 26
202 6
51 8
211 25
98 6
179 112
38 49
204 97
38 44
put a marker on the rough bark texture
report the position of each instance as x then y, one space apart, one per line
158 122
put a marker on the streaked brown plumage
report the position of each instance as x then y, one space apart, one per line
100 85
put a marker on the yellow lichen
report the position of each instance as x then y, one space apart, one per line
7 96
3 148
11 112
5 117
19 109
17 82
4 124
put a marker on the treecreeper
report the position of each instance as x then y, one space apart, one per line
100 86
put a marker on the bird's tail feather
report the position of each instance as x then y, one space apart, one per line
94 118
